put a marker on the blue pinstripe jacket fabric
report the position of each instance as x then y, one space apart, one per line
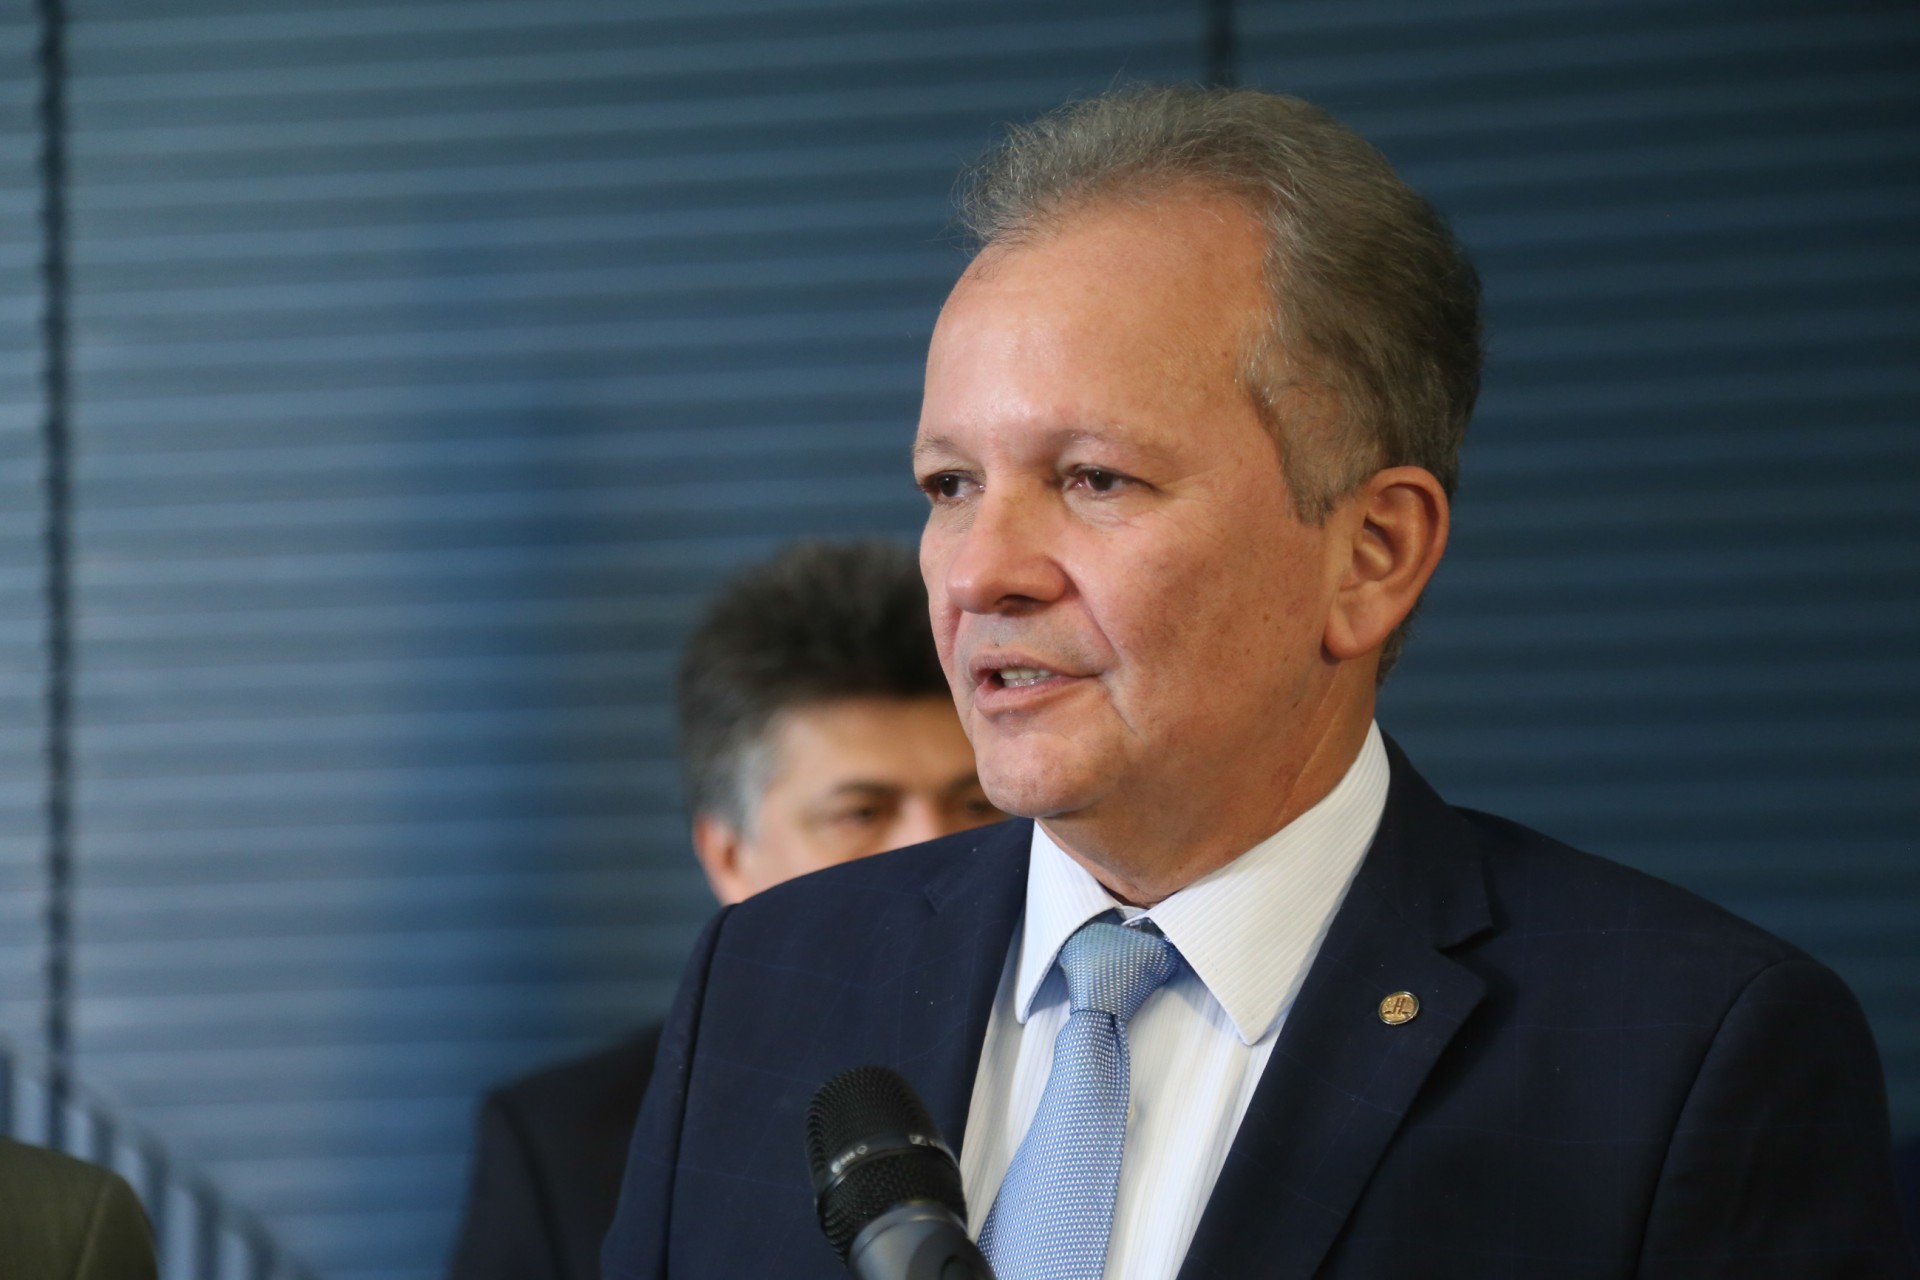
1608 1076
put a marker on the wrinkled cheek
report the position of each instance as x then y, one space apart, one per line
941 615
933 568
1193 681
944 630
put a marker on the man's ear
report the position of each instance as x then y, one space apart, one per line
721 850
1390 534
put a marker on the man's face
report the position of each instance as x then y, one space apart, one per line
1129 613
848 779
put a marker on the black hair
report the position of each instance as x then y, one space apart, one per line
819 622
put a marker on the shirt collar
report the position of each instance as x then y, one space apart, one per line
1248 930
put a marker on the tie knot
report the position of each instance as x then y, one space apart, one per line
1114 969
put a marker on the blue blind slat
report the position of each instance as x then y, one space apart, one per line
22 554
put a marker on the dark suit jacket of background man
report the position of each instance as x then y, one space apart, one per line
1607 1076
547 1171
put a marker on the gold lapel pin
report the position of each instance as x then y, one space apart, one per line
1401 1006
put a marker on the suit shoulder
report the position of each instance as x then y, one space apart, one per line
1543 883
613 1078
911 872
54 1197
53 1174
841 919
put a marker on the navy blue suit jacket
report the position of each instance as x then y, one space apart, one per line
1607 1077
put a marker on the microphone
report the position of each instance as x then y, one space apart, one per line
885 1185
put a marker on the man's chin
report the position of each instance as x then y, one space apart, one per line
1033 795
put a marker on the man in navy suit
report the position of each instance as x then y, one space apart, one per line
1189 438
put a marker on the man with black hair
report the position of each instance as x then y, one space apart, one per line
815 728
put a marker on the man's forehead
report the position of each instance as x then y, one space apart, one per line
1158 270
1120 225
1113 247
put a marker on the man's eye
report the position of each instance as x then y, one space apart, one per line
943 485
1097 480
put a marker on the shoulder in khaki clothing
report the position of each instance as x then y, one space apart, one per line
65 1219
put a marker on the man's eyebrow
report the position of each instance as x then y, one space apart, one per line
1052 438
862 787
964 782
925 446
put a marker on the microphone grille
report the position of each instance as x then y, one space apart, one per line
856 1107
857 1104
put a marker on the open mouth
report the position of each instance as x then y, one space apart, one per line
1010 679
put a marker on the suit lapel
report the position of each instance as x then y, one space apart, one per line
953 970
1340 1079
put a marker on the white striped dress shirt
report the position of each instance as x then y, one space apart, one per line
1247 934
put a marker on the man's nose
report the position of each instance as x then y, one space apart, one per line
919 820
1005 561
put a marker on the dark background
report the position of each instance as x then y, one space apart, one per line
429 361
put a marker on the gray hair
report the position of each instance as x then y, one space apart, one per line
1374 301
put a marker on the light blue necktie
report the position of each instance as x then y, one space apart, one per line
1055 1207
